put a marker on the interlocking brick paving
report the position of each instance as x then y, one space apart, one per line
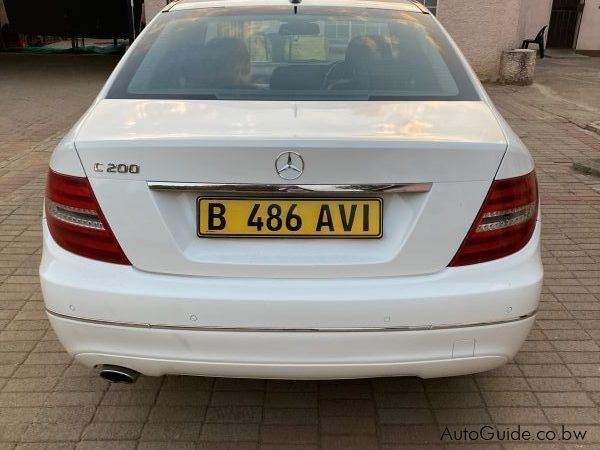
49 401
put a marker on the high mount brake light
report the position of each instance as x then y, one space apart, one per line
505 223
76 222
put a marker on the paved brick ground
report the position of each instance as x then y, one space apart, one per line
48 401
570 88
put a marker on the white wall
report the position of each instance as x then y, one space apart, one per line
589 31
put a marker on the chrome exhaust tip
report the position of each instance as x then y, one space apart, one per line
117 374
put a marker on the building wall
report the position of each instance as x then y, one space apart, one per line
534 15
589 31
483 30
153 7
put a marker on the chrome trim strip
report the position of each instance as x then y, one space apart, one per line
290 188
289 330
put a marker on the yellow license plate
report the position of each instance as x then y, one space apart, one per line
359 218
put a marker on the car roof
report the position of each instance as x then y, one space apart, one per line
401 5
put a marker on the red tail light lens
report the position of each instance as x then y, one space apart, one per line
505 223
76 222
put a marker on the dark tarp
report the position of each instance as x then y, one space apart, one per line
105 19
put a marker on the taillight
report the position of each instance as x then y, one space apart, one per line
505 223
76 222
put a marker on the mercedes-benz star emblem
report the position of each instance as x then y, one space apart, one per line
289 165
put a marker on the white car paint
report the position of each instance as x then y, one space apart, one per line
293 308
414 141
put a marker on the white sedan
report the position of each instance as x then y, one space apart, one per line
312 190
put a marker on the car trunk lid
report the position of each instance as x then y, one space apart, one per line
454 146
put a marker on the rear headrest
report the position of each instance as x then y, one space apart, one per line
218 64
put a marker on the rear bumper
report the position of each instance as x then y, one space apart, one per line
499 291
293 355
461 320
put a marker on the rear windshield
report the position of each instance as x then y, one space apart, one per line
270 53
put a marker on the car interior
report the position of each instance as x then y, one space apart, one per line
299 57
